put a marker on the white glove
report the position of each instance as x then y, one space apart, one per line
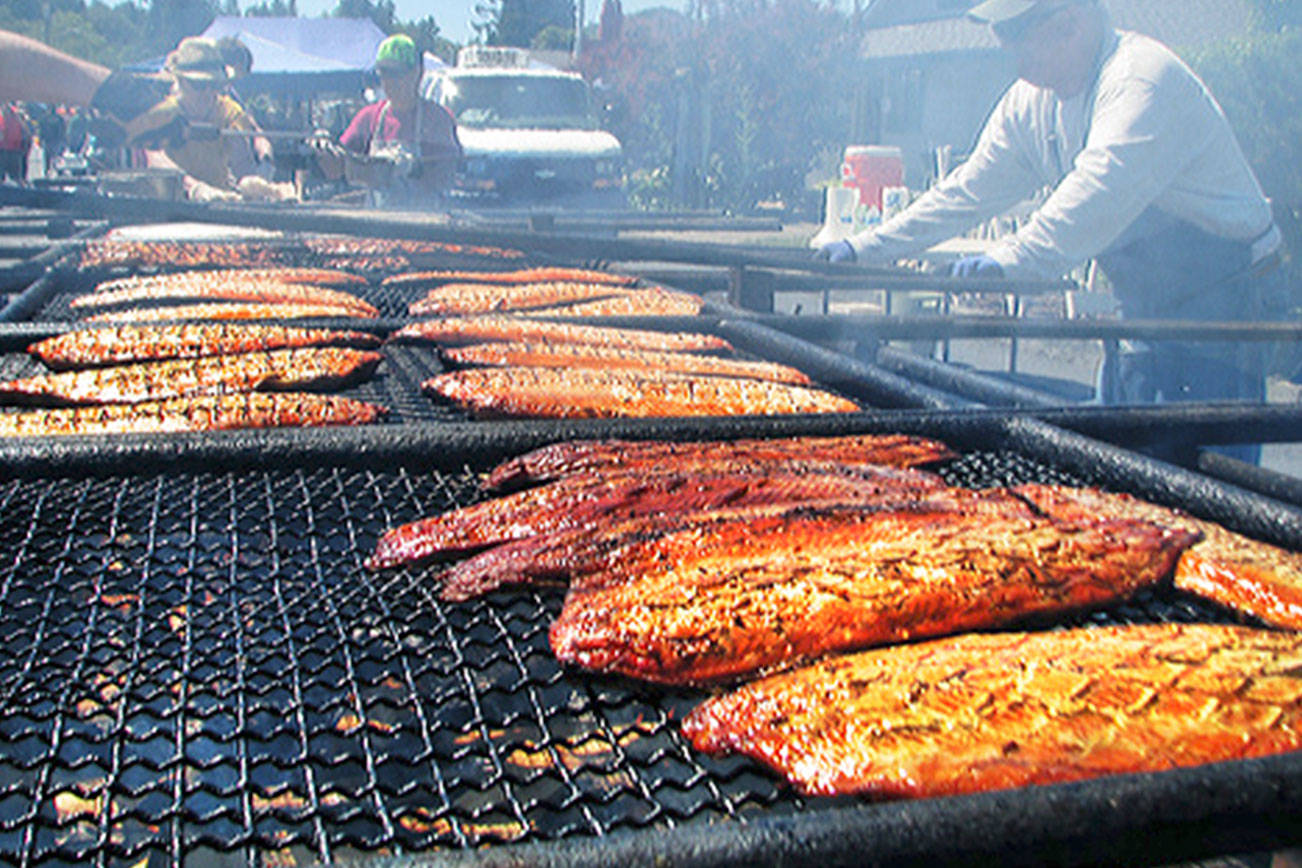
202 192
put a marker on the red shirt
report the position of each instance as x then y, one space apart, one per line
438 130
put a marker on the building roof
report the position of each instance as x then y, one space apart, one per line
1178 23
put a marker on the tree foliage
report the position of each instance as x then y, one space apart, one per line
519 22
754 92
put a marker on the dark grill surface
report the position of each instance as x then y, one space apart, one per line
198 665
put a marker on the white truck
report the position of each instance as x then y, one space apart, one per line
530 133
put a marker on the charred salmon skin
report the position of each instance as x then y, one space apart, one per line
578 501
988 712
112 345
278 370
578 393
578 456
606 358
754 596
472 298
199 413
1235 571
454 331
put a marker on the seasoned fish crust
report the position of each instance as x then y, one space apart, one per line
473 298
586 393
263 291
607 358
199 413
575 456
751 596
582 501
278 370
454 331
90 347
641 302
988 712
286 274
1244 574
523 275
229 311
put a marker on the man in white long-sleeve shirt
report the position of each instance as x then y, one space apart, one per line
1145 175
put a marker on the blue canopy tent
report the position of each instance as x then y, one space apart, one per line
298 56
303 56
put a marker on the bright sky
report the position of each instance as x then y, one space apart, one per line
454 16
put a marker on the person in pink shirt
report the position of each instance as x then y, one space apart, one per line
403 147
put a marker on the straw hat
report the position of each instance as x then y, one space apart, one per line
197 59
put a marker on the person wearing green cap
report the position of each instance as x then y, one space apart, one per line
404 147
1139 170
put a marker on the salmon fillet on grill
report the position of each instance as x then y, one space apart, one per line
988 712
596 545
199 413
455 331
606 358
578 393
278 370
580 501
229 311
91 347
1235 571
753 596
286 274
472 298
576 456
267 292
640 302
523 275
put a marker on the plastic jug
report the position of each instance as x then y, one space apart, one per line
838 216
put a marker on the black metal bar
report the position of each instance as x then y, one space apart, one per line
818 328
978 387
1134 819
846 375
1277 485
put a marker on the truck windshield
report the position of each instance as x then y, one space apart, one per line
518 102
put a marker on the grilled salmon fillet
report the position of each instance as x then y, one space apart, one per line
988 712
577 456
608 358
114 252
228 311
199 413
751 596
286 274
90 347
1235 571
277 370
641 302
454 331
523 275
580 501
264 291
577 393
613 551
471 298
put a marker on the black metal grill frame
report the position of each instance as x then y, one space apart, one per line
262 692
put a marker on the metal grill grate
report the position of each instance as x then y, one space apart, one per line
199 664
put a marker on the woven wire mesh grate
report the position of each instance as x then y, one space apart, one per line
200 665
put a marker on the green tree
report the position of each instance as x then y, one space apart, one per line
383 12
518 22
273 9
